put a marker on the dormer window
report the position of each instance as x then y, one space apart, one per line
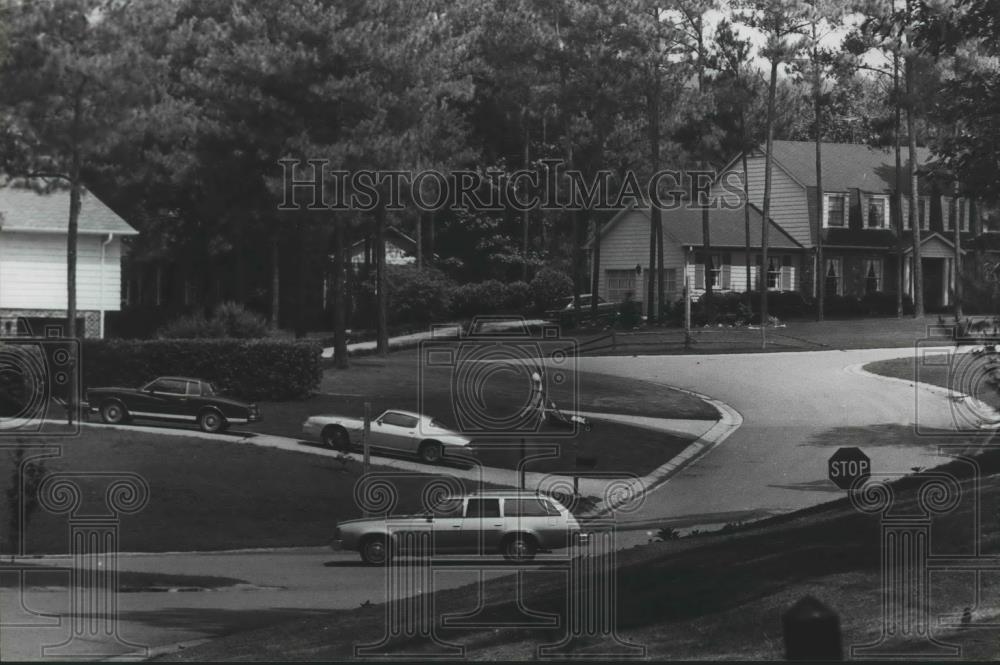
835 210
878 212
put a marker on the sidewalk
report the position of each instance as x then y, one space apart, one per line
446 330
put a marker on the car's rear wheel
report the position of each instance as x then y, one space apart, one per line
113 413
519 548
375 551
211 421
431 452
336 438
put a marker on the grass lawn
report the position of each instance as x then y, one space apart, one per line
796 335
711 597
206 495
966 375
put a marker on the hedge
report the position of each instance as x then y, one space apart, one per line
266 369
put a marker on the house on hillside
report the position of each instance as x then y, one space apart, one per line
33 261
861 245
625 254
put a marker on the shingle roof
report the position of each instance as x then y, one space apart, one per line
845 165
24 209
727 228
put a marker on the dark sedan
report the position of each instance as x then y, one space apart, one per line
173 399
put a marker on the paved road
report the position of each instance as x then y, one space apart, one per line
792 405
776 462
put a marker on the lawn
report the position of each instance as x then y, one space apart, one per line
207 495
711 597
794 335
965 375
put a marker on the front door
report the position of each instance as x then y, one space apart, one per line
934 283
484 526
165 399
395 431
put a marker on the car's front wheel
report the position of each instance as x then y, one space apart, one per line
113 413
431 452
375 551
336 438
211 422
519 548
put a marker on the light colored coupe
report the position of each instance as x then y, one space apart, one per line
398 431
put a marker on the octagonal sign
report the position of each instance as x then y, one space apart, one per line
848 465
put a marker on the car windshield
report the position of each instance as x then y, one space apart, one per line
437 424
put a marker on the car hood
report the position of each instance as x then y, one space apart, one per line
382 520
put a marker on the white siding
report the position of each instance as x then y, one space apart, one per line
789 207
627 245
33 272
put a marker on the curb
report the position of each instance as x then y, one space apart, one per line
729 421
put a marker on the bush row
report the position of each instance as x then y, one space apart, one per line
421 297
268 369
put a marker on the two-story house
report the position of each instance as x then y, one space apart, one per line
861 246
33 244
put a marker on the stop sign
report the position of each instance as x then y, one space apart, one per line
847 465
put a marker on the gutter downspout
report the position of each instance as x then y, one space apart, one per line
100 295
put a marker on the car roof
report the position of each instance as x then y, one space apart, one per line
180 378
406 413
504 494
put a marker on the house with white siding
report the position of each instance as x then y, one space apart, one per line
625 253
33 245
861 242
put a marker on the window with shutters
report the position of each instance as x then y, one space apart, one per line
835 210
670 280
717 267
878 212
779 273
873 275
619 284
963 214
834 272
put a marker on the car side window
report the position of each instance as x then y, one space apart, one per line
194 388
399 420
483 508
168 386
528 508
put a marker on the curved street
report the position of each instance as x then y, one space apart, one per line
797 409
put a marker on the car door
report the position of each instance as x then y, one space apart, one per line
165 399
447 520
395 431
483 527
536 516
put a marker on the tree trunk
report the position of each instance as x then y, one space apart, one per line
579 221
430 237
595 268
957 261
526 221
897 195
820 261
381 324
301 279
655 216
706 240
917 272
746 213
339 297
71 242
420 240
660 286
772 88
275 284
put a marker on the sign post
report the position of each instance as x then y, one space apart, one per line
366 434
848 466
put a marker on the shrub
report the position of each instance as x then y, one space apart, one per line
549 288
417 297
629 313
229 320
843 306
517 299
469 300
267 369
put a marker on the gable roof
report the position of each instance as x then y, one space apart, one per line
845 165
727 228
24 209
407 243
